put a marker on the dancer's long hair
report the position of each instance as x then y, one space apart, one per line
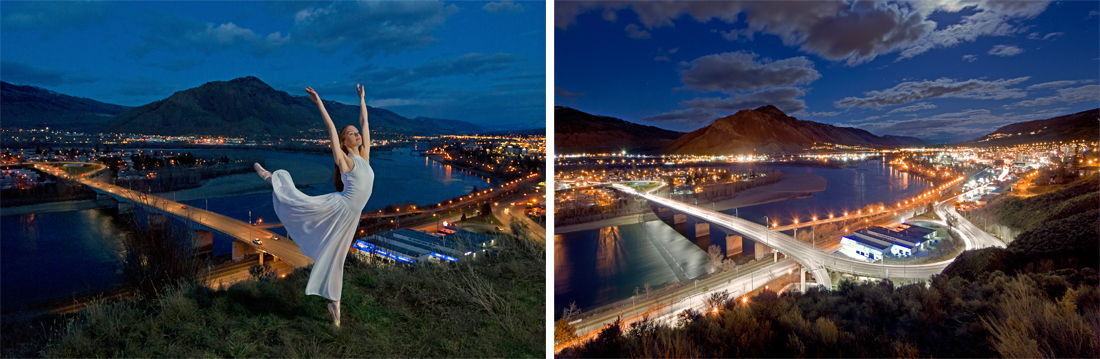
336 168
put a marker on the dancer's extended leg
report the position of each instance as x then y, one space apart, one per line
334 309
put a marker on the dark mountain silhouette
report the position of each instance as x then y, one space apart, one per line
26 106
247 106
580 132
767 130
529 132
1084 125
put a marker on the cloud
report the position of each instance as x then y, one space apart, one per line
911 108
1053 84
991 18
20 73
970 58
367 28
946 88
817 114
634 32
1035 36
560 92
956 126
503 7
1005 50
472 64
1070 95
182 35
854 32
663 55
700 111
783 98
51 17
739 71
693 117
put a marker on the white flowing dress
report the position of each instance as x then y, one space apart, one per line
324 226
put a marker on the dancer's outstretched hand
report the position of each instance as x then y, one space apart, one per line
361 89
313 95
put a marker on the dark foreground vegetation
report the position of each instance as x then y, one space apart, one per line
491 307
1039 297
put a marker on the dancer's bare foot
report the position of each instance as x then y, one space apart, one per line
264 174
334 309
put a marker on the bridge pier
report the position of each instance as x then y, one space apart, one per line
702 229
802 273
241 249
760 250
679 218
734 245
126 207
203 241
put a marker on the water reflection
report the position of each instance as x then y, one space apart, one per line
610 259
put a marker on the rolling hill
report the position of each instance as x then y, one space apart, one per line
579 132
29 106
769 130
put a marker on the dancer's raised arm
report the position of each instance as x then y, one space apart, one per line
338 154
365 150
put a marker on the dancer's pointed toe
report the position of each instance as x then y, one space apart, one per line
264 174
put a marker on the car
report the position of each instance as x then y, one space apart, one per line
184 206
274 237
257 241
497 228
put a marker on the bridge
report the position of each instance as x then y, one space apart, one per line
814 260
202 222
905 205
441 207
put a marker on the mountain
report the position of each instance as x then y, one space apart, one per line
247 106
1084 125
34 106
767 129
580 132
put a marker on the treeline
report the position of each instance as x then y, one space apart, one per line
713 192
172 173
1038 297
620 205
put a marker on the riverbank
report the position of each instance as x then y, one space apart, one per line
55 207
794 185
303 173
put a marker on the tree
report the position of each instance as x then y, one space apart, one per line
714 258
486 209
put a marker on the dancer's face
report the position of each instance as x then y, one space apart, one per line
351 137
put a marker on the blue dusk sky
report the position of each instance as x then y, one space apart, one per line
943 71
480 62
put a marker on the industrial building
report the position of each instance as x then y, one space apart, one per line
410 246
900 241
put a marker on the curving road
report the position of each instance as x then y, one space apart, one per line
815 261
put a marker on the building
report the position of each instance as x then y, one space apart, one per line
410 246
900 241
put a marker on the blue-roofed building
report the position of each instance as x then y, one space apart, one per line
411 246
899 241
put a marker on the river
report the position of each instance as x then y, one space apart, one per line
55 255
587 273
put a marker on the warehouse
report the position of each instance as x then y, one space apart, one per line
410 246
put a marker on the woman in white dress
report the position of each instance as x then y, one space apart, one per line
324 226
